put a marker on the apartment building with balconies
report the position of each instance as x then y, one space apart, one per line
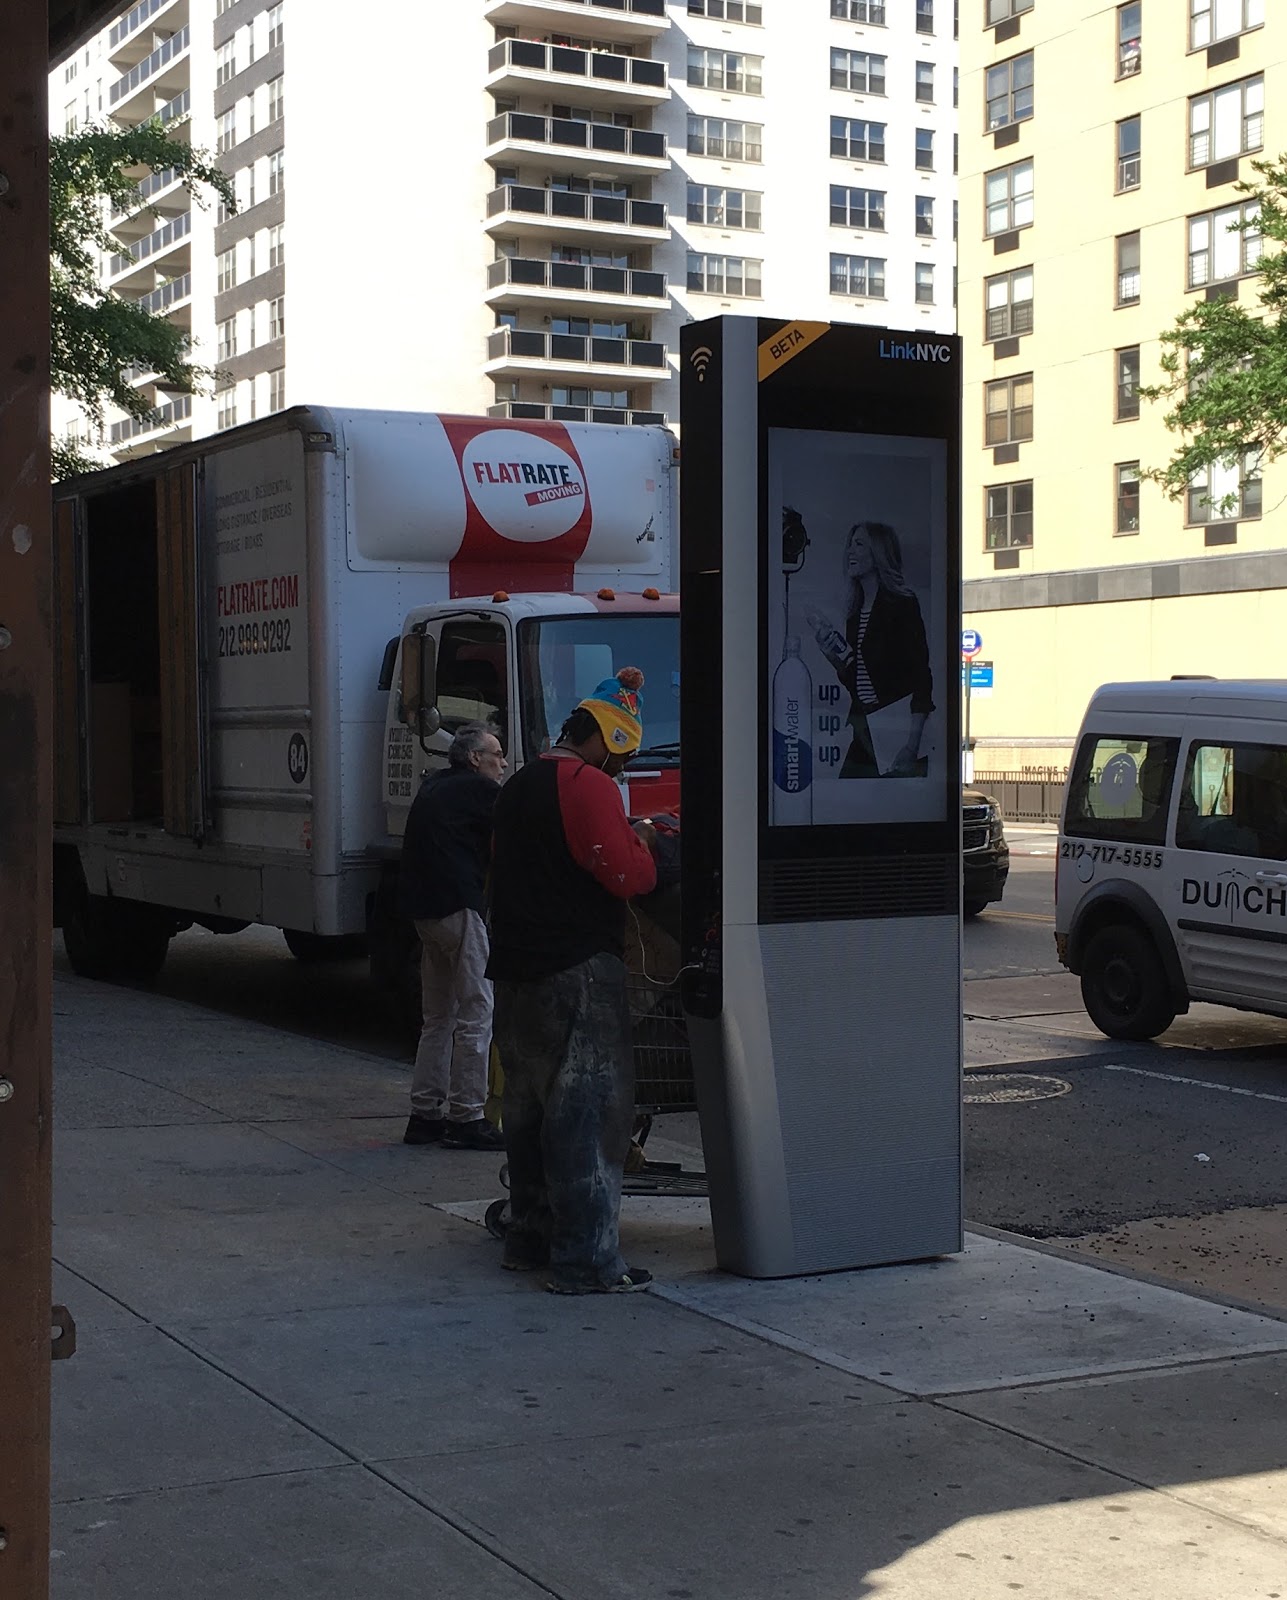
515 205
1101 149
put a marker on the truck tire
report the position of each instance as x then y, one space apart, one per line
90 936
316 947
144 943
972 908
1124 985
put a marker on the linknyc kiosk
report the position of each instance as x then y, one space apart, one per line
820 696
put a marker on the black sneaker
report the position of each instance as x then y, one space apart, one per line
476 1135
631 1279
423 1130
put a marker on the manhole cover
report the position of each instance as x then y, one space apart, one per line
1008 1088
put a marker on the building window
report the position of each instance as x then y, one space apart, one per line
226 415
925 82
925 16
227 132
1226 492
69 117
731 276
1007 410
277 389
1008 198
726 141
925 216
925 149
226 271
729 70
1128 269
275 33
1227 122
226 62
1129 24
1210 20
857 208
1128 154
858 72
723 208
1008 510
1007 302
1003 10
277 318
924 283
859 11
276 172
227 339
863 276
223 5
1128 383
1126 475
1009 92
1224 244
727 10
276 99
276 247
857 141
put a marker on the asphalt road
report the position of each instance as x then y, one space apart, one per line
1138 1147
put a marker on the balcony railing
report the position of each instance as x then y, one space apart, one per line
168 294
535 411
132 20
145 190
572 135
576 348
178 107
571 204
166 416
175 45
177 228
629 8
522 273
594 66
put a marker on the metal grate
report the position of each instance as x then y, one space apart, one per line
663 1059
905 886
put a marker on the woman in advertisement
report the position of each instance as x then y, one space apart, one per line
880 655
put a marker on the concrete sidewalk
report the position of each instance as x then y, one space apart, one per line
301 1373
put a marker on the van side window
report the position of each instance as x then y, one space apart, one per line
1120 788
1234 801
473 676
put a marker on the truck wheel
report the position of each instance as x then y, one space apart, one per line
90 937
972 908
144 945
1124 986
315 947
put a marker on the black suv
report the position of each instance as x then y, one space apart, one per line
984 853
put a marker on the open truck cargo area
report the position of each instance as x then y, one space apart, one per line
264 638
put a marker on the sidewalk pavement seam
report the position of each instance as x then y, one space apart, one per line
1052 1247
1167 1491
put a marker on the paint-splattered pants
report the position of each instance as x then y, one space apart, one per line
564 1043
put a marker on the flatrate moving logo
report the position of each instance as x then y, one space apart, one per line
528 488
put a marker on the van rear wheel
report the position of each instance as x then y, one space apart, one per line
1124 986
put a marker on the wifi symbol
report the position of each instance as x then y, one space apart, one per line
700 360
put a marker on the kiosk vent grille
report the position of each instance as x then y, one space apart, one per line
895 886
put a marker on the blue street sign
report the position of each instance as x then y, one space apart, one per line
971 642
981 676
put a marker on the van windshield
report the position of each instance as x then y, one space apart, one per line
564 658
1120 788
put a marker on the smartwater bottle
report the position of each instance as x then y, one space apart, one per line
792 750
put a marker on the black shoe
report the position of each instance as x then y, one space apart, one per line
631 1279
476 1135
423 1130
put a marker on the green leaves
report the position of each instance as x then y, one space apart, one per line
1224 364
97 337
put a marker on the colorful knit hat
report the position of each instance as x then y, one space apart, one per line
615 706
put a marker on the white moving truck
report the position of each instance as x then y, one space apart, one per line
241 723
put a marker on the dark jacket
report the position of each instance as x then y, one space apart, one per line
894 651
447 845
566 861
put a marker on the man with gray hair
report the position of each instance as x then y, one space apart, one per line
442 885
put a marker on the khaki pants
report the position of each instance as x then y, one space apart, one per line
449 1079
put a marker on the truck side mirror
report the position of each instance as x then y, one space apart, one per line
419 689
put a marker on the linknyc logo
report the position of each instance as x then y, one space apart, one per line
892 350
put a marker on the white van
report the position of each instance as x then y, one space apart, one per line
1172 868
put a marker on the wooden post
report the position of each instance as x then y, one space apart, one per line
25 805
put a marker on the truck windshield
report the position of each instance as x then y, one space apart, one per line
564 658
